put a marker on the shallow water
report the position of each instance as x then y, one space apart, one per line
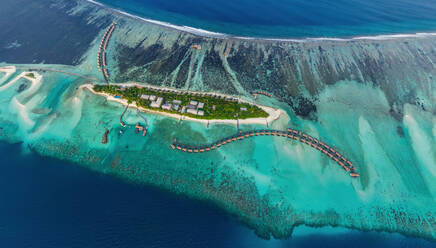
59 120
380 115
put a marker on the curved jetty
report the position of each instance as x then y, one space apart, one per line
122 123
290 134
261 92
101 55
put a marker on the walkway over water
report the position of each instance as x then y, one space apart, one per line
55 70
261 92
101 55
290 134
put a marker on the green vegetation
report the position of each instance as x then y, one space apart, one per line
31 75
214 107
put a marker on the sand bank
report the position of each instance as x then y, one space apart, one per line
36 80
8 70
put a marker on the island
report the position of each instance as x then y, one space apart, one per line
191 105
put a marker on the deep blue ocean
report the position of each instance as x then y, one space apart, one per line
51 203
290 18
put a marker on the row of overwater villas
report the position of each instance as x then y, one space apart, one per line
290 133
102 48
261 92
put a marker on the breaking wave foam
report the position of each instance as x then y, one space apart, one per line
206 33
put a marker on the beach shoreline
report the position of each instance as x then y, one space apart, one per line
273 114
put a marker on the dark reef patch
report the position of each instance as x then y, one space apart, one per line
294 73
304 107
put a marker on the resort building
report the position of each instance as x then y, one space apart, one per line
191 111
200 112
200 105
157 103
190 106
152 98
145 97
167 106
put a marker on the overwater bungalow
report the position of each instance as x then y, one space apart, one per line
354 174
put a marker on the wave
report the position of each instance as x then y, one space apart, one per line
211 34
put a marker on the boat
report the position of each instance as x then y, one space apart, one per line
354 174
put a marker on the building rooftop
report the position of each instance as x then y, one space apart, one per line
191 111
157 103
193 103
200 105
166 106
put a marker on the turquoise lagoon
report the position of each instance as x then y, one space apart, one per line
270 183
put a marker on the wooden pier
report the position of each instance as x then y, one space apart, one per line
332 153
261 92
101 55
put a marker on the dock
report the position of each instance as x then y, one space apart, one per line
261 92
101 54
121 116
290 133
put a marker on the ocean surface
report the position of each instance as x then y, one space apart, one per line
290 18
51 203
273 181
